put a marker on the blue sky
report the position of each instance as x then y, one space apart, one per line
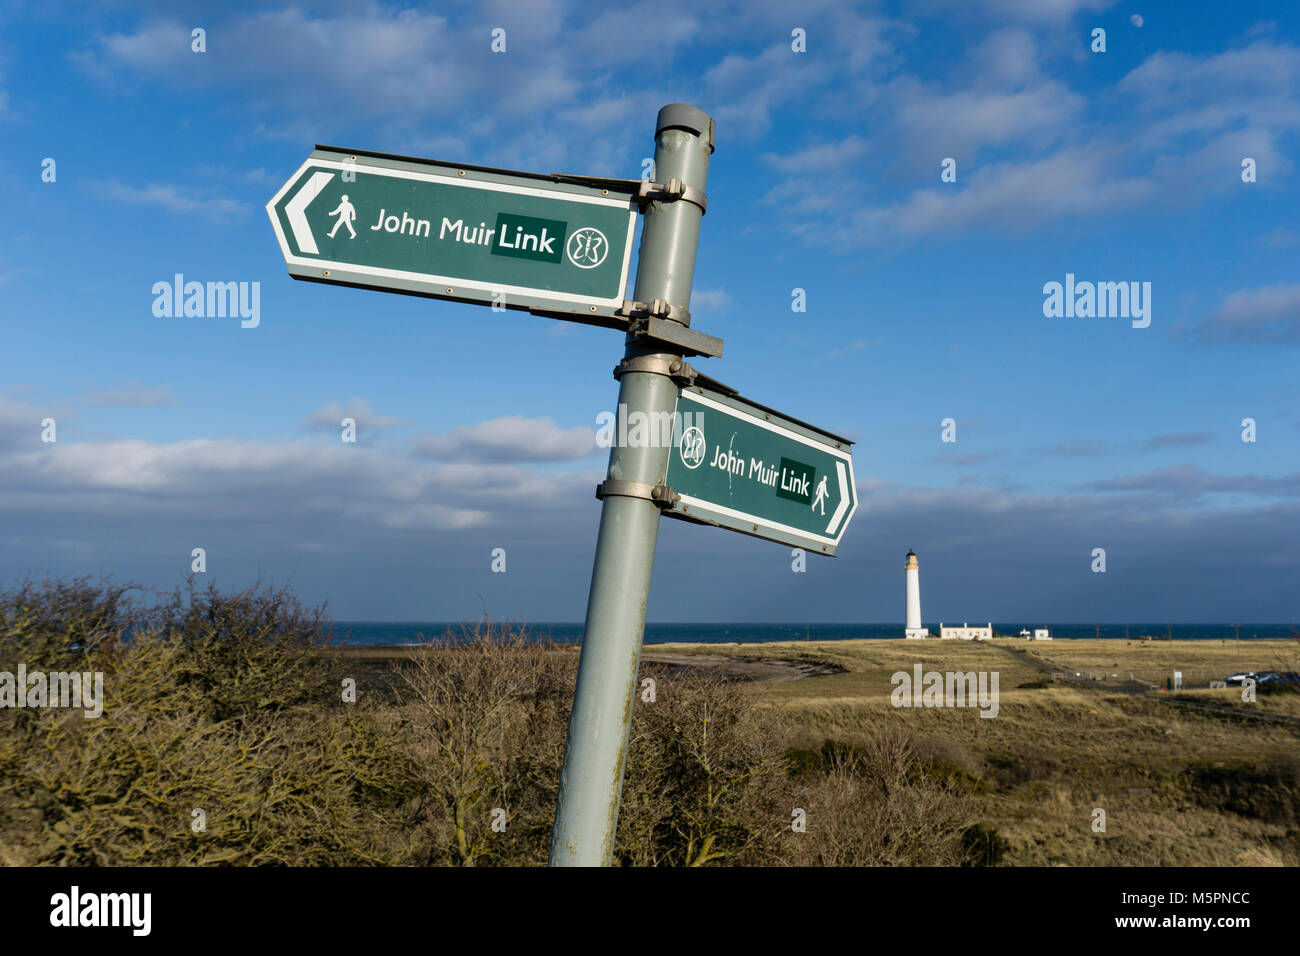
924 302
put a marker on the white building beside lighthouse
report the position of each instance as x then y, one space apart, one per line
912 571
966 632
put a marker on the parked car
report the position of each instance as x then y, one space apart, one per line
1264 677
1274 677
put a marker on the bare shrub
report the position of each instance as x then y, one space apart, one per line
1026 765
56 622
945 752
251 651
875 807
706 778
483 720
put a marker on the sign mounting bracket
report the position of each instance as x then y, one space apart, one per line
658 308
661 495
677 335
640 190
679 371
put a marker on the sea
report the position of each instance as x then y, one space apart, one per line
375 633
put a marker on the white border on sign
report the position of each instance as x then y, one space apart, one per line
443 281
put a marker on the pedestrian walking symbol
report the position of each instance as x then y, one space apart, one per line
346 213
820 500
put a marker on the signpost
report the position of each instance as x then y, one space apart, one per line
742 466
562 246
467 233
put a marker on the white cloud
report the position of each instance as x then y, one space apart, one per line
709 300
1189 481
173 198
747 89
134 394
1176 138
937 122
257 483
329 416
1007 58
20 419
1006 196
1037 12
1258 85
822 158
154 48
1267 314
511 438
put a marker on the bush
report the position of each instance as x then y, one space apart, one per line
1266 788
1026 766
213 705
876 806
984 845
483 722
705 777
819 761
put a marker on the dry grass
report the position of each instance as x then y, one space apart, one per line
868 665
1266 700
1056 753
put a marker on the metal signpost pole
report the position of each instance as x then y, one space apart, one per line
592 780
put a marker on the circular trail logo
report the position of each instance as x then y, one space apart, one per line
587 247
691 447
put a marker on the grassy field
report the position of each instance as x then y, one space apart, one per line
1199 661
1266 701
1178 786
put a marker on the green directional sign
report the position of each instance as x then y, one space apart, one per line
742 466
495 237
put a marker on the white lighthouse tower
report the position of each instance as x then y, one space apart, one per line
913 572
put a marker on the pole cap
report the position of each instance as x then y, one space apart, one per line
689 118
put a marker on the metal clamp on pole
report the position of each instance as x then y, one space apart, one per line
672 190
662 495
680 337
658 309
678 370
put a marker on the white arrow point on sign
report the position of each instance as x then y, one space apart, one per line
844 498
296 211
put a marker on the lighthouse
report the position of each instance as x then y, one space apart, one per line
913 572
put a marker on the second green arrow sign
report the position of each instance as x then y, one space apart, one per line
742 466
